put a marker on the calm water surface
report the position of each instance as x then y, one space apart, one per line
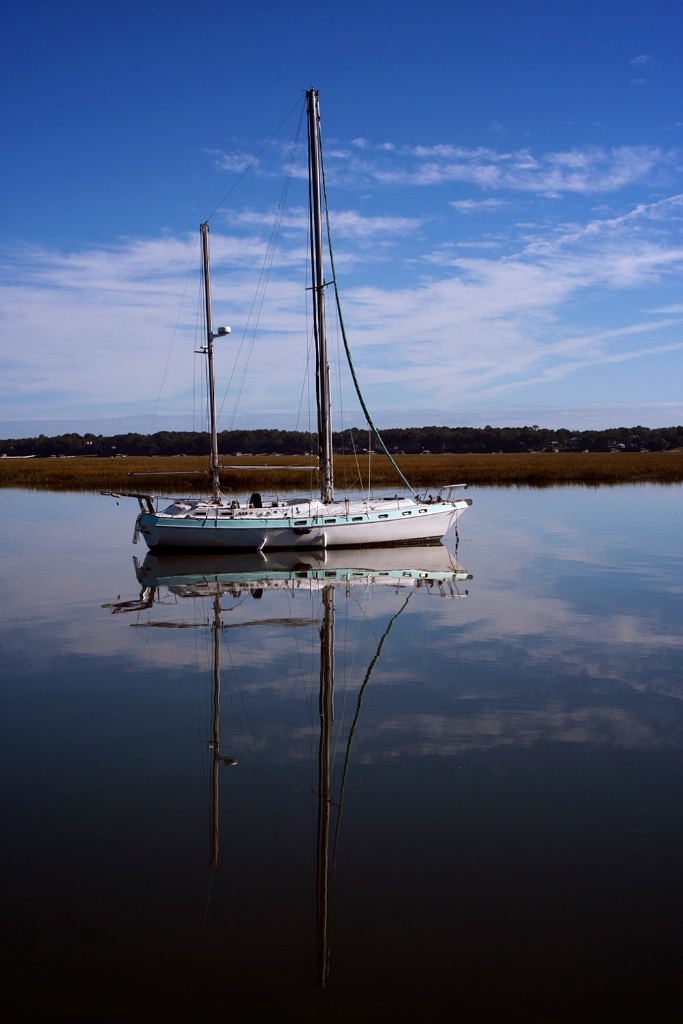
500 832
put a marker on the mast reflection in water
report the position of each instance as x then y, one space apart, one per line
326 574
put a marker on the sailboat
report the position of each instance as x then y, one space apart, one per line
220 522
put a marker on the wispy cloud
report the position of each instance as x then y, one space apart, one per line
641 62
549 299
499 325
587 170
584 171
235 161
476 205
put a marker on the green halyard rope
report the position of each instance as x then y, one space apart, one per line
346 345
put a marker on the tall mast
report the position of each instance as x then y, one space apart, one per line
323 371
215 478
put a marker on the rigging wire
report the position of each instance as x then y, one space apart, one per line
306 388
192 263
256 309
199 336
359 704
349 360
174 335
253 161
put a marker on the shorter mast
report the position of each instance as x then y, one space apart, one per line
323 371
215 478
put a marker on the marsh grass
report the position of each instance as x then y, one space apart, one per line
168 475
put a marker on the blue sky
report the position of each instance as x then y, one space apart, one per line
506 190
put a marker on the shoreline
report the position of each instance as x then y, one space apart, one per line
188 475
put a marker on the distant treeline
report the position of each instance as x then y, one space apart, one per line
413 440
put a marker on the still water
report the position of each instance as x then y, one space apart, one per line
482 814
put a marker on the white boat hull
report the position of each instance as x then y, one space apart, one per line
203 525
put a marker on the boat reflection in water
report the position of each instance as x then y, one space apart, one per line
329 576
196 574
